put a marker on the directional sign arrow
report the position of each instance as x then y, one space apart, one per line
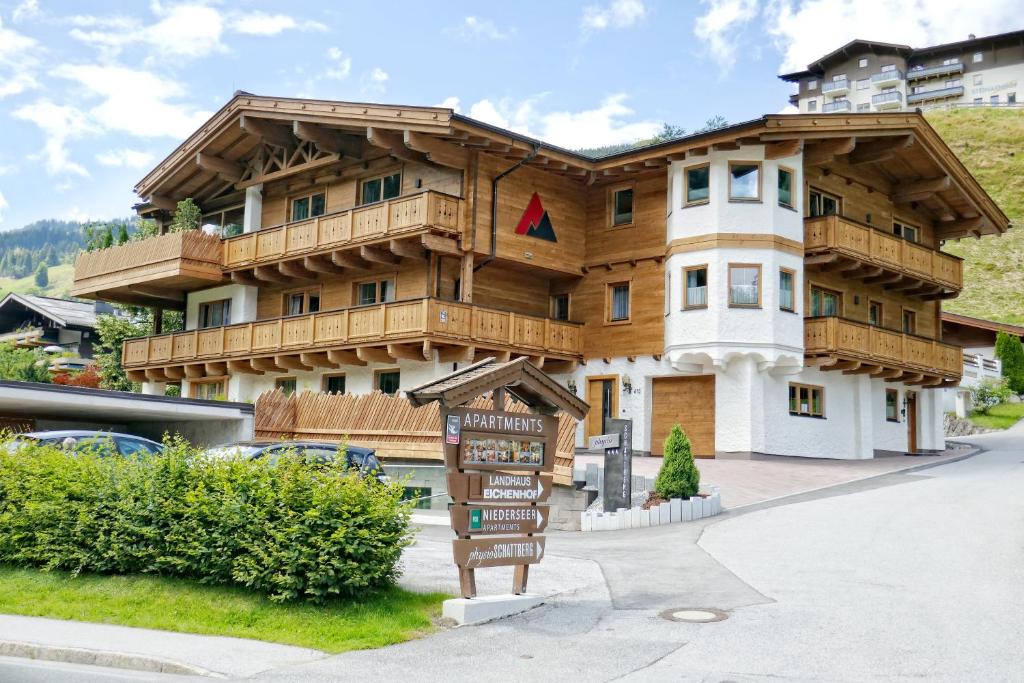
493 520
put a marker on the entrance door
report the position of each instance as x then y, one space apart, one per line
689 401
911 422
603 397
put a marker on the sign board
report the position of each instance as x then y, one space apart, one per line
475 553
604 441
499 519
499 440
618 466
498 487
453 428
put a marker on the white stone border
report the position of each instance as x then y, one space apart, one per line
675 510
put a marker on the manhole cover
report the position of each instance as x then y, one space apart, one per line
694 615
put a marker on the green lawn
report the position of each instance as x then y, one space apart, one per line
384 618
61 278
1003 416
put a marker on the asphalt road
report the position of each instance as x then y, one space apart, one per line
15 670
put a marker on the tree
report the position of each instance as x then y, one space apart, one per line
187 216
679 476
112 330
122 233
23 365
145 228
1011 352
42 277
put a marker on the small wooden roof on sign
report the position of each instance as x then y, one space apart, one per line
520 378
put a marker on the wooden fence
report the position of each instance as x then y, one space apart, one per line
388 424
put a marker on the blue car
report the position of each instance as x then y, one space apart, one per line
80 440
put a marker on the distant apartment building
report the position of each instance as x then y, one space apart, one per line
864 76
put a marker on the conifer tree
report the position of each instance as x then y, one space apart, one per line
679 476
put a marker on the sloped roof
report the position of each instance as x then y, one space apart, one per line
520 378
981 323
64 312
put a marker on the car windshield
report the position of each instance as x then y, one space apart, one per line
233 451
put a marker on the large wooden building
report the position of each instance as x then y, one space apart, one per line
774 286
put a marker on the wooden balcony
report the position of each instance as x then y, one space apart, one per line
861 252
156 271
412 329
834 343
377 233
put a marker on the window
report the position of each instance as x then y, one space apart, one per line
812 105
309 206
864 84
954 83
864 106
1011 98
618 302
306 301
696 285
286 385
381 188
892 400
891 88
375 292
875 313
862 62
977 79
744 181
229 222
745 285
787 298
209 391
978 57
823 204
838 77
334 384
949 61
806 400
785 187
907 232
888 67
812 84
214 314
560 306
825 302
622 206
978 100
909 322
698 179
387 381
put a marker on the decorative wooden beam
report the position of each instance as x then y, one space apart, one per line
826 151
908 283
409 351
368 354
437 151
821 259
537 361
940 296
317 360
725 146
291 363
560 367
453 354
215 368
295 270
228 170
864 369
266 365
959 227
783 148
328 140
919 190
841 365
344 357
156 375
883 279
880 150
175 372
270 133
441 245
271 274
394 143
240 277
135 375
377 255
195 371
243 367
161 202
407 249
886 373
907 377
320 264
346 259
166 298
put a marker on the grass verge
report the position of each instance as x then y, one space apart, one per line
383 618
1002 416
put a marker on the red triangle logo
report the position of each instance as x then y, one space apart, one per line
535 221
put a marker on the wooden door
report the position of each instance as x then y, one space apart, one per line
603 397
911 422
689 401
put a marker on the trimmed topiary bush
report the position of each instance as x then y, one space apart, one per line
679 476
291 530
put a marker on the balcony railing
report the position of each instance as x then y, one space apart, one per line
935 94
835 87
887 100
887 77
916 359
381 220
844 239
933 71
977 368
132 272
837 106
413 320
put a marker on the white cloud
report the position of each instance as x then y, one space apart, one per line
3 207
59 124
804 30
606 124
450 103
263 24
129 158
615 14
341 64
374 82
26 9
475 28
18 62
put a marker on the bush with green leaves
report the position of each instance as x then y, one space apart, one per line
988 393
187 216
291 530
679 476
23 365
1010 351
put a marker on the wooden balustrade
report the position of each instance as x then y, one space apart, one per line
849 339
826 234
444 322
391 218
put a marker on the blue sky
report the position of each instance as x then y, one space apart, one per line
94 94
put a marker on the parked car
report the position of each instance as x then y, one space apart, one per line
356 457
101 443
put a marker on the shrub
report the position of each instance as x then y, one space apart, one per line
89 377
187 216
988 393
1010 351
292 530
679 476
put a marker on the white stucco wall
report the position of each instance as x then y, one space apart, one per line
243 303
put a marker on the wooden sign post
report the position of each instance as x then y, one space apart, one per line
499 466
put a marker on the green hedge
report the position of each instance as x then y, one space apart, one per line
293 531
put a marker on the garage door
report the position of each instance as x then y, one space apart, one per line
690 401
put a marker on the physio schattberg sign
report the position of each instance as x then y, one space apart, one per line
497 440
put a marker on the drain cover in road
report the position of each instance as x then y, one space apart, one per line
694 615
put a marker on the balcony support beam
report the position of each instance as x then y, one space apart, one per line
320 264
271 274
410 351
347 259
958 228
394 143
243 367
783 148
228 170
317 360
886 373
242 278
864 369
839 364
879 150
156 375
455 354
215 368
195 371
907 377
885 278
560 367
161 202
940 296
368 354
377 255
441 245
175 372
907 284
344 357
407 249
266 365
825 152
292 363
295 270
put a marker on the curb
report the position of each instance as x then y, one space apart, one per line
110 659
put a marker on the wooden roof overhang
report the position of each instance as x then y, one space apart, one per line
981 324
519 378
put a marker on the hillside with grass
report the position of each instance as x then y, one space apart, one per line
990 142
60 280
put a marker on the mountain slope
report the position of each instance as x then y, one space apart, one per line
990 143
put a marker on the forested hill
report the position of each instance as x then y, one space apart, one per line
47 241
